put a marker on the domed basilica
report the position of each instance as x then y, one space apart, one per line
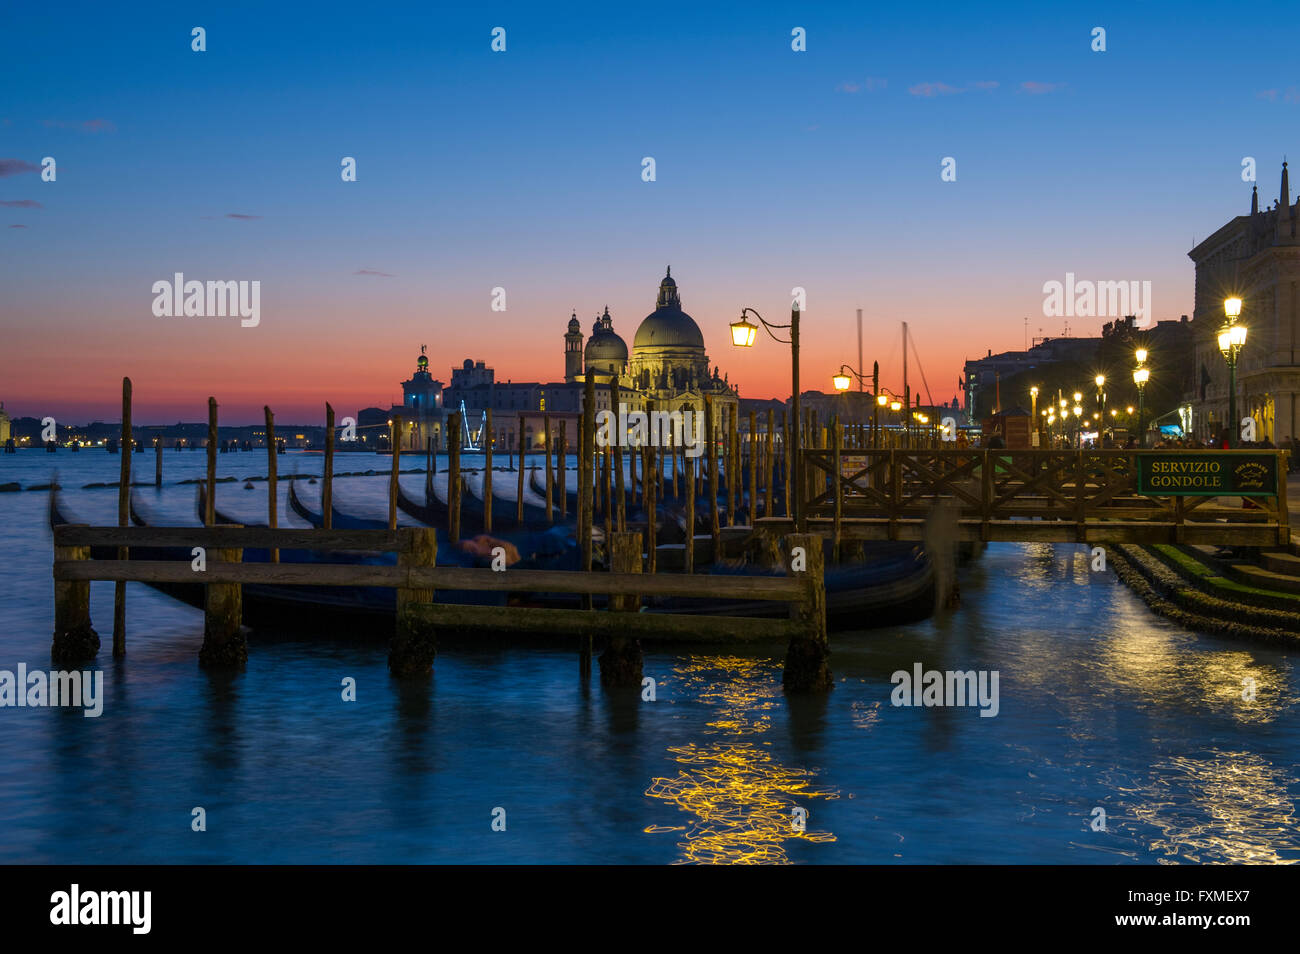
667 366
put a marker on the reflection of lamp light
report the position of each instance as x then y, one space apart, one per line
743 333
841 381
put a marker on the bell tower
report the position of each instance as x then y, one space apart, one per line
573 350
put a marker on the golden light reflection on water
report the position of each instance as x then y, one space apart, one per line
1230 808
741 800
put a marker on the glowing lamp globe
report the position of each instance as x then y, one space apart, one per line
743 333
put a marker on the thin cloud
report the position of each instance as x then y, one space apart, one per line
934 89
1035 88
870 84
21 204
945 89
13 167
371 271
241 215
86 125
18 226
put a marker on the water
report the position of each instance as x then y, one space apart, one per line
1102 704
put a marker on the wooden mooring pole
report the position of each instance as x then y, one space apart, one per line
652 479
414 644
768 465
396 441
546 446
453 478
272 489
487 471
621 662
806 668
751 445
157 462
688 464
519 503
715 529
586 465
327 472
224 645
562 468
123 520
75 640
209 516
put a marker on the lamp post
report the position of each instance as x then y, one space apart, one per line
743 334
843 382
1100 381
1033 412
1141 374
1231 339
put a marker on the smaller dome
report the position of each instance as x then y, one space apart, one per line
422 362
605 348
574 324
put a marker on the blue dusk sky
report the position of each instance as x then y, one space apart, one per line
522 170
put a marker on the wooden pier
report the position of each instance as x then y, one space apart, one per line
417 579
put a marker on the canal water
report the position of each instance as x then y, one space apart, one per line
1102 706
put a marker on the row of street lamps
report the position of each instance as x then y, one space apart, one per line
1232 337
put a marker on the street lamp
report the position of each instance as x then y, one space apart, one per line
1033 411
1140 377
743 334
1231 340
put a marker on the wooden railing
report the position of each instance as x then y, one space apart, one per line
1043 495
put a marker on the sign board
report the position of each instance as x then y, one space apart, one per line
850 464
1185 474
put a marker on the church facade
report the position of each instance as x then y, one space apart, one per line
667 368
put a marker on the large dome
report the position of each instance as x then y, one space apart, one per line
668 326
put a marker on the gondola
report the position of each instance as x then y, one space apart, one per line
894 584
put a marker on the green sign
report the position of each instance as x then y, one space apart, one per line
1185 474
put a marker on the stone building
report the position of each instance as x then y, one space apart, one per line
1256 258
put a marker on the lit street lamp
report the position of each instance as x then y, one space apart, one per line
1033 411
1141 375
743 334
1231 340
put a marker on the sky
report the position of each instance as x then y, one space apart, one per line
523 170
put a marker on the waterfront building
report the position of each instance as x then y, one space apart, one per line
1256 258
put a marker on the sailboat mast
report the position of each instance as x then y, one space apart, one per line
905 391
